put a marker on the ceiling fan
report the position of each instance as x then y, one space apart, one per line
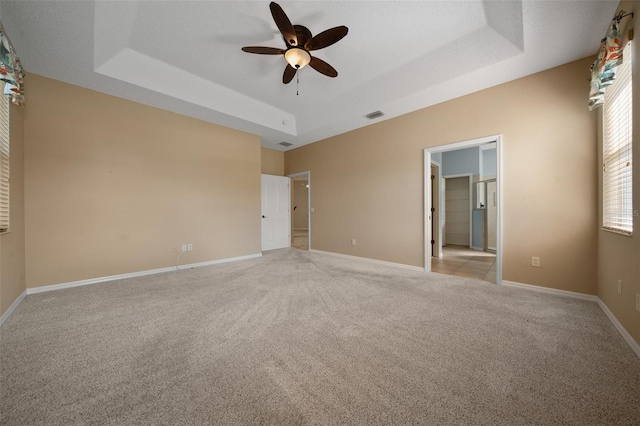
300 43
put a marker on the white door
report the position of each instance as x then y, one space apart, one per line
276 216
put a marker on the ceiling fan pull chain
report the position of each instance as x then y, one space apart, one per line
297 82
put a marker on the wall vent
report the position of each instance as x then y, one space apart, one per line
374 115
285 144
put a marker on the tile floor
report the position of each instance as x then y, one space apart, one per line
463 262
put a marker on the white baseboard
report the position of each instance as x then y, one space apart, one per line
13 306
557 292
366 259
623 332
53 287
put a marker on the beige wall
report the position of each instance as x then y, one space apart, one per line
111 186
12 265
619 256
272 162
373 190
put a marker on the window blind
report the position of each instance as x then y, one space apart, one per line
617 155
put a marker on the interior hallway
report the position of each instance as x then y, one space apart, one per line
461 261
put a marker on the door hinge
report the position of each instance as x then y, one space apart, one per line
433 209
433 241
432 177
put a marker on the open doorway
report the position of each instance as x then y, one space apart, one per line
463 232
301 210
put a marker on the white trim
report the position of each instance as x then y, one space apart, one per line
13 306
625 334
554 291
500 211
99 280
589 297
366 259
427 217
499 194
488 146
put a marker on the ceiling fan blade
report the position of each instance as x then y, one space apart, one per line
284 24
263 50
322 67
327 38
289 73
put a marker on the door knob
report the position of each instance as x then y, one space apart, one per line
264 217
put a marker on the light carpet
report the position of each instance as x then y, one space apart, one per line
305 338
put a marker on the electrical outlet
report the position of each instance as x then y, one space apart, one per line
184 247
535 261
190 247
619 287
353 241
638 302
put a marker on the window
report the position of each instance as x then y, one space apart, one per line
4 160
616 150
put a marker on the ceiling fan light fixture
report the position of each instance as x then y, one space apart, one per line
296 57
299 43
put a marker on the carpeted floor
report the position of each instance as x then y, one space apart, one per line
306 338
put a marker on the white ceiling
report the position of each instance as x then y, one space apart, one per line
399 56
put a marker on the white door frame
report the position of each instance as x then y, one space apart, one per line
308 175
499 193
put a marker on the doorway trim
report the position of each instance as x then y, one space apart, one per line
428 217
308 175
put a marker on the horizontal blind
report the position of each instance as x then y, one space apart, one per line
617 155
4 160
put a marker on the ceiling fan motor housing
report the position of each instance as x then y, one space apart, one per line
303 34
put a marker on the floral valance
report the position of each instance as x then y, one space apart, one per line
11 70
603 70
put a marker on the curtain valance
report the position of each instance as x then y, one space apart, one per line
603 70
11 70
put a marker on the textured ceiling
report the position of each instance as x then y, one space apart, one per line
399 56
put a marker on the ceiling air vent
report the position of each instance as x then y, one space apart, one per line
374 115
285 144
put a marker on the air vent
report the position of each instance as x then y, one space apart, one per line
374 115
285 144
